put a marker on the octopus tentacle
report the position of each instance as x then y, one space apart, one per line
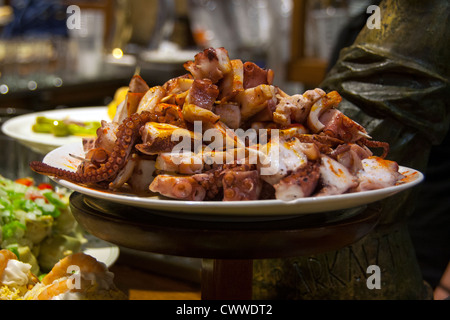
376 144
43 168
178 187
127 133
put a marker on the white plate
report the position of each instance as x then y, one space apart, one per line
168 56
101 250
20 127
60 158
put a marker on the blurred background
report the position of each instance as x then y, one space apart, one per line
50 51
59 53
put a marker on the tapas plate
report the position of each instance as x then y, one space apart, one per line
61 158
20 127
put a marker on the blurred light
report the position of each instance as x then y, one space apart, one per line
57 82
117 53
4 89
32 85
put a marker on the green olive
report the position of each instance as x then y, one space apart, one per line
60 129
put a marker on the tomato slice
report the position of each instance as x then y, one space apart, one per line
43 186
25 181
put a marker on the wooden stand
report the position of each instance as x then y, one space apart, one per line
226 247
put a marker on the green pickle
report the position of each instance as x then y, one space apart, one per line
42 127
61 128
89 128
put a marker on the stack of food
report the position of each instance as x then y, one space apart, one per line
76 277
224 131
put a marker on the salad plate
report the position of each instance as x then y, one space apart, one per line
20 127
22 202
62 158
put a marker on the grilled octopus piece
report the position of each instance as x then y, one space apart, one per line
210 63
255 75
178 187
300 183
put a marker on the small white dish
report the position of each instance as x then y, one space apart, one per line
20 127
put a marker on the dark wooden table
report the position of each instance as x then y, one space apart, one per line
227 247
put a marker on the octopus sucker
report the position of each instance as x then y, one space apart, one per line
45 169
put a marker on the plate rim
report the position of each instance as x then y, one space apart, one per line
112 249
204 207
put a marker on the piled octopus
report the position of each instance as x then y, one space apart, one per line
320 150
